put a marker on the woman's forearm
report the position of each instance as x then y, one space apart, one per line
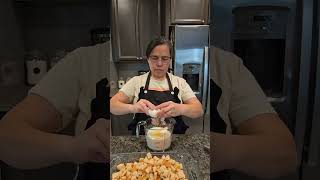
261 156
191 110
120 108
27 148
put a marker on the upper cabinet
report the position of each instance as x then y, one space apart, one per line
134 24
124 29
149 23
189 11
60 3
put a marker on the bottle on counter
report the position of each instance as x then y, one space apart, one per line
36 66
121 83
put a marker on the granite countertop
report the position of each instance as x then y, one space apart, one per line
192 144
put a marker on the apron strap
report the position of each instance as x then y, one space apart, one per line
146 87
169 83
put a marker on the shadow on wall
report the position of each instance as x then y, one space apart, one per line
221 13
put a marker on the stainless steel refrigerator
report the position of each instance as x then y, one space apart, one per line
306 115
190 61
307 129
304 122
301 108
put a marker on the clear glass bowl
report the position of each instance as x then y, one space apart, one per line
191 168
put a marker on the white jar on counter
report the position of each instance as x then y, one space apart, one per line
36 67
121 82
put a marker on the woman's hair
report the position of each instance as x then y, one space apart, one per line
158 41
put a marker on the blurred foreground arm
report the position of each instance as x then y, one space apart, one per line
264 148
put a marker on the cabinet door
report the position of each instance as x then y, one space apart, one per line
125 42
149 23
189 11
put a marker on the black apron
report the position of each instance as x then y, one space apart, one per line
156 98
100 108
217 124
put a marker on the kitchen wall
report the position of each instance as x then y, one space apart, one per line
131 69
221 17
11 51
125 70
11 45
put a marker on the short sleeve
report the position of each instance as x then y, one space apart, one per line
130 88
247 98
60 87
186 91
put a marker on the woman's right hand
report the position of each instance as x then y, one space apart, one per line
142 106
93 145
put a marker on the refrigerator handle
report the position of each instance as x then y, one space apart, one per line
172 40
138 28
205 79
314 147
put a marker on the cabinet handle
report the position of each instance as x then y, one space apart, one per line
137 26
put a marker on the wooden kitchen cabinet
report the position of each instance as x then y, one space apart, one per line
189 11
124 30
149 23
134 24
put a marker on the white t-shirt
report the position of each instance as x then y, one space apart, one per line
241 97
70 85
132 87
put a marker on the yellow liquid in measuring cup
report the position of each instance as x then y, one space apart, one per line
158 138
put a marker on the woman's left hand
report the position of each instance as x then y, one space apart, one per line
169 109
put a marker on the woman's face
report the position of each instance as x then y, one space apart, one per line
159 61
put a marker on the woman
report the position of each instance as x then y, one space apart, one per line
157 90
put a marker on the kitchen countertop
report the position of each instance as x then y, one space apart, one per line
192 144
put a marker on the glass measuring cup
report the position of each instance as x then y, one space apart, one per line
158 132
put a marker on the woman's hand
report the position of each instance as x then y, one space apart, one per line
142 106
169 109
93 144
